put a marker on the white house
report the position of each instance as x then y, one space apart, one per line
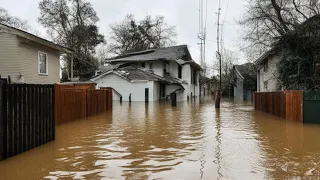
154 74
27 58
245 82
267 76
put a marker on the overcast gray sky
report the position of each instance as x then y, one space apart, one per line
181 13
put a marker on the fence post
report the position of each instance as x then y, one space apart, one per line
130 98
2 119
120 99
173 99
146 94
53 123
107 100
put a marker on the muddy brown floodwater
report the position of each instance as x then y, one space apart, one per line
190 141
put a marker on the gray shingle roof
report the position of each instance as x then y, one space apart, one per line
132 73
169 53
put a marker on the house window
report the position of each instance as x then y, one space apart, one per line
43 63
179 71
265 65
143 64
265 85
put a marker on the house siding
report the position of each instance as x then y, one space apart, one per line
124 87
19 57
238 88
270 76
158 67
9 56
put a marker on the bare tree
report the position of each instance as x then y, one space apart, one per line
131 35
267 20
228 60
102 52
7 19
72 23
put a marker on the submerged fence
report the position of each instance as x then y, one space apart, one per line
285 104
271 102
73 103
26 117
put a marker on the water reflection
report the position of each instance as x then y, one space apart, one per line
191 141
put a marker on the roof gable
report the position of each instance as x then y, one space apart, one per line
35 38
169 53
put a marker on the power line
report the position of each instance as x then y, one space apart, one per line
226 12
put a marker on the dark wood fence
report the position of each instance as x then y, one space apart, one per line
27 117
271 102
73 103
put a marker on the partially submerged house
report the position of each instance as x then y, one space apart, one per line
153 74
245 84
26 58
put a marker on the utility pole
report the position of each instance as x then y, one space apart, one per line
218 93
202 32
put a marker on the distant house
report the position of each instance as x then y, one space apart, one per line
245 83
267 75
207 85
154 74
26 58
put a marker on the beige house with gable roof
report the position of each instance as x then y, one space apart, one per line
27 58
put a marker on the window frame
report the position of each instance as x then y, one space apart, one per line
47 64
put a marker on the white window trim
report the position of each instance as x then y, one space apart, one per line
47 63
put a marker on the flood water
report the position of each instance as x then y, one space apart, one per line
190 141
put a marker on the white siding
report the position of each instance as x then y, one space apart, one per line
270 76
173 69
18 57
238 88
158 67
124 87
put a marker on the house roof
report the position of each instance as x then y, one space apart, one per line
132 73
168 53
245 70
180 54
266 55
36 39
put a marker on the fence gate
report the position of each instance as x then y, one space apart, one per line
27 117
311 104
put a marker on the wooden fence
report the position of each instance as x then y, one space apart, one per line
271 102
26 117
70 105
73 103
285 104
96 101
294 108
